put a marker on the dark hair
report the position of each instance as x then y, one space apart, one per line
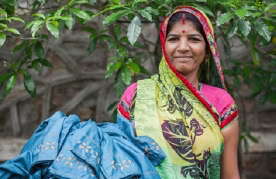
178 17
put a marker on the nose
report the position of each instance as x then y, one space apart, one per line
183 45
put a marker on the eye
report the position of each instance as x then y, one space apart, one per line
173 39
195 39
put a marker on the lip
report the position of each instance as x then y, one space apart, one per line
184 57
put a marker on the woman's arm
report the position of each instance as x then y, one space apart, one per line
229 160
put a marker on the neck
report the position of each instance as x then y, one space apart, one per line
193 80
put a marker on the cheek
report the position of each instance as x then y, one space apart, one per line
200 51
168 49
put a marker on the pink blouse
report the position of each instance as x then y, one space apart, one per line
219 98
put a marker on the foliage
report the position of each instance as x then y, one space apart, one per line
252 21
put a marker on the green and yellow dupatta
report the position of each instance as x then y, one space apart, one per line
168 109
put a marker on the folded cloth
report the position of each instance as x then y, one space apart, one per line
64 147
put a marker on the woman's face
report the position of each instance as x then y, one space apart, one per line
185 48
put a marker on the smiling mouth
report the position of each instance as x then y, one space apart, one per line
183 58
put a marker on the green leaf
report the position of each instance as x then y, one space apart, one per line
70 23
119 85
144 13
9 86
272 97
59 12
16 19
19 46
2 38
117 65
39 50
116 1
81 2
36 65
201 0
122 52
29 24
115 16
90 29
5 76
273 62
134 30
270 6
244 27
53 29
23 72
227 72
135 67
257 88
92 1
263 99
246 145
204 9
237 82
44 62
105 37
226 17
3 12
247 71
39 15
4 26
92 45
126 75
257 14
112 105
235 61
241 12
110 70
272 79
255 54
232 30
81 14
64 18
35 27
125 40
29 85
13 30
117 31
263 30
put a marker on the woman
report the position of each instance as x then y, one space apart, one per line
185 108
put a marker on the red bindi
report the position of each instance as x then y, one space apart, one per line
183 19
183 31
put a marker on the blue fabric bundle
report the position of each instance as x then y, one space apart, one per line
64 147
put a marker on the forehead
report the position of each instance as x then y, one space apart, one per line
188 26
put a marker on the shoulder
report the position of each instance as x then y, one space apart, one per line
129 93
218 97
222 101
126 100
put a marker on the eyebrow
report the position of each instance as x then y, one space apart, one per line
196 35
193 35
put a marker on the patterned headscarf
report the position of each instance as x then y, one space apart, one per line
217 78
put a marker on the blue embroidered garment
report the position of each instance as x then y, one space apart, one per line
64 147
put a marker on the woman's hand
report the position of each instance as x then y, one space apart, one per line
229 160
